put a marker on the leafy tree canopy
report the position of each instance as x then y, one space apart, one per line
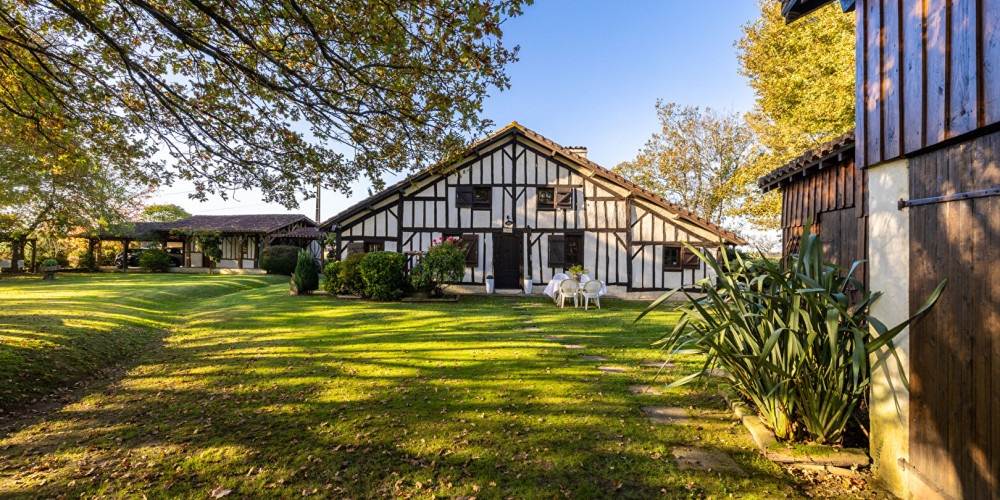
253 94
803 75
164 213
697 160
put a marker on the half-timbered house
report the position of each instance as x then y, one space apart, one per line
529 208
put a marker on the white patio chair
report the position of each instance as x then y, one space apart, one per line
592 291
568 288
558 277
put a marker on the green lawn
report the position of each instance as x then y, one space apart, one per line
269 395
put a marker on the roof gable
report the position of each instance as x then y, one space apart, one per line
555 150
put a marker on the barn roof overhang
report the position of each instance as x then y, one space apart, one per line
835 150
794 9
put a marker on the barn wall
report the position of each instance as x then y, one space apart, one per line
926 71
955 359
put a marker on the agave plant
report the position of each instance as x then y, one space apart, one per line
789 337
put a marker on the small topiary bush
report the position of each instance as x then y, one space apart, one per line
383 274
154 260
50 262
331 278
279 259
306 275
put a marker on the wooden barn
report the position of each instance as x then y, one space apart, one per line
824 186
528 207
927 136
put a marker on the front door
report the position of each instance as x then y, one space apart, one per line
507 261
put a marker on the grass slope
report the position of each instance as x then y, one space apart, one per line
53 333
269 395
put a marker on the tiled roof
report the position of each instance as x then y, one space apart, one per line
260 223
515 127
806 160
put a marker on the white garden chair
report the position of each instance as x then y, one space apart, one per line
592 291
558 277
568 288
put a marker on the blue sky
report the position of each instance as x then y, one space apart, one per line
589 74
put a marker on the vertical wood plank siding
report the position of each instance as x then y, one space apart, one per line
955 349
835 198
926 73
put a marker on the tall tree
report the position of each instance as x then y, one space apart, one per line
164 213
803 75
696 160
256 94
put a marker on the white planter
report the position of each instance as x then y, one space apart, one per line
527 287
489 285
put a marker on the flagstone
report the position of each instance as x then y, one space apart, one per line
615 370
664 415
592 358
645 390
656 364
574 346
705 459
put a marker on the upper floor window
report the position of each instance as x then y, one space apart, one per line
550 198
473 197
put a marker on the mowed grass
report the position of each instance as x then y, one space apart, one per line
269 395
53 333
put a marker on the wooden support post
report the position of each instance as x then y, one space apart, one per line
97 256
125 244
187 250
34 255
239 249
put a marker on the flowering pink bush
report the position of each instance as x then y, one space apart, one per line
444 262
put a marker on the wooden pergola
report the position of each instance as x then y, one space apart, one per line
17 250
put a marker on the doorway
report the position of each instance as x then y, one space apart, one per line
507 261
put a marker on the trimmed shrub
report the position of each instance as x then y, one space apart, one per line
279 259
87 261
331 278
306 275
349 275
383 274
154 260
50 262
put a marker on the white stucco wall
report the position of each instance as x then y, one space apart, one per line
889 272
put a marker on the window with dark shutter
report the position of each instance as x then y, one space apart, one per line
374 246
574 250
471 244
355 247
689 260
563 197
546 198
465 196
672 258
557 251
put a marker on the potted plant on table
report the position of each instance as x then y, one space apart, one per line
49 267
577 272
527 285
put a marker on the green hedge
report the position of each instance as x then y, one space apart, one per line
383 274
306 275
279 259
154 260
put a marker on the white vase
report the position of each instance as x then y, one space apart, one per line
527 286
489 285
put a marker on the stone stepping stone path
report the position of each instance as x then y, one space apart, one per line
666 415
613 370
574 346
645 390
592 358
529 321
533 329
705 459
656 364
552 337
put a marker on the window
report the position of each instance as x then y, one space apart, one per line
475 197
671 258
550 198
470 242
676 258
546 197
565 250
374 246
